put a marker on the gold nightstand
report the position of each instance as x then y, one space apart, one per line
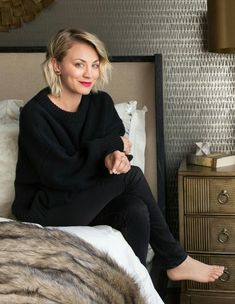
207 229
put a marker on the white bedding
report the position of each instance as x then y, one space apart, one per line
112 242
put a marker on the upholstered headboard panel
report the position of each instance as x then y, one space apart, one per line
133 78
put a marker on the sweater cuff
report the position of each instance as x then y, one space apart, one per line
113 144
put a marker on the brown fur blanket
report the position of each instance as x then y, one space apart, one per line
42 265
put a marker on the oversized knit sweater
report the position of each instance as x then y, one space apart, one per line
60 151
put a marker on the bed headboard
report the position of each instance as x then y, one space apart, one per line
133 78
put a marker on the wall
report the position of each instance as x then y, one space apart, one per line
198 86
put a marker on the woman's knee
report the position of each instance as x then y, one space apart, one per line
136 171
134 177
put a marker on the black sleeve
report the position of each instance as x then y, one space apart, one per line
114 129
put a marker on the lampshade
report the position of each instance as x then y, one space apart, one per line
221 26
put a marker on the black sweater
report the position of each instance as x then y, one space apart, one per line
61 151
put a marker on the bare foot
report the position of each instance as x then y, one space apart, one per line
193 270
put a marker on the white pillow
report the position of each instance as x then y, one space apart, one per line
9 110
138 138
8 156
134 123
125 111
9 130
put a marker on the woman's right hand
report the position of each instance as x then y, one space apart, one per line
127 144
117 162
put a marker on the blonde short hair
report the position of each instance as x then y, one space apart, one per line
58 47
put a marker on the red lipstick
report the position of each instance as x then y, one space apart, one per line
85 83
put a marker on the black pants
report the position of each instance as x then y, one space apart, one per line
126 203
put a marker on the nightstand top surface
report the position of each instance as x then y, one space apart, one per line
196 170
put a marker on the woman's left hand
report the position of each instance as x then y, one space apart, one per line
117 162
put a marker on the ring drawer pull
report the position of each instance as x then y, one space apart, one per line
223 197
223 236
225 276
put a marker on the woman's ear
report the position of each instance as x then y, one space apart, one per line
56 66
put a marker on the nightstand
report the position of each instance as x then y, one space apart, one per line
207 229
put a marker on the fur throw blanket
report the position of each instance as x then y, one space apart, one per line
50 266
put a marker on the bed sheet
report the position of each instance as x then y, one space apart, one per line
112 242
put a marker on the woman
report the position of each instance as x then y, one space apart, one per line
74 165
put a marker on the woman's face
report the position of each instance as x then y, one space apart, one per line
79 69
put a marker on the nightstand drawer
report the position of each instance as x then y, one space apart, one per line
209 195
210 234
225 283
207 298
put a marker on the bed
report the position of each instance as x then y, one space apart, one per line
136 88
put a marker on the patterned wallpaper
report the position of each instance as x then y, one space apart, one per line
199 87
